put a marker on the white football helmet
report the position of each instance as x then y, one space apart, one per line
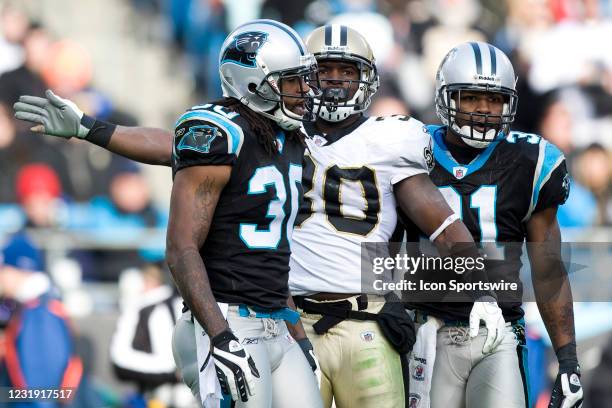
255 59
340 43
476 66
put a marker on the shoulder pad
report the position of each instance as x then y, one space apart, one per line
218 109
521 137
197 129
526 145
402 118
399 128
432 129
549 158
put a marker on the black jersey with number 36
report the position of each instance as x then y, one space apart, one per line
495 195
246 252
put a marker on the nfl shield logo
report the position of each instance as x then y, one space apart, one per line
419 373
414 400
459 172
319 140
367 336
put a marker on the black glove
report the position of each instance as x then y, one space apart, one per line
567 392
397 326
308 351
235 367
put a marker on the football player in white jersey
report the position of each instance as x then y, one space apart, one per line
357 171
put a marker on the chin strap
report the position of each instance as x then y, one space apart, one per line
472 137
282 120
481 141
339 112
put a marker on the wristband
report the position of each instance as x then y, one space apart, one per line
567 356
224 337
448 221
100 132
304 343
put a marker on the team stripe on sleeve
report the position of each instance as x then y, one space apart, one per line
233 131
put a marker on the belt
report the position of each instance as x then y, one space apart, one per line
304 302
333 312
284 313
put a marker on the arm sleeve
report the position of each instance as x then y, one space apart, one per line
556 189
413 151
203 137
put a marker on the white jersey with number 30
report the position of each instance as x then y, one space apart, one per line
348 183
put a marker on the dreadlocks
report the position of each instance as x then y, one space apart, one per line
260 125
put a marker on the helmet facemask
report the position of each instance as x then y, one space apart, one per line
464 123
294 92
341 97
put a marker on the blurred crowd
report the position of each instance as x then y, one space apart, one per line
67 185
560 50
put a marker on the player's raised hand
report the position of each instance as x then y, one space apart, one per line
487 310
52 115
235 367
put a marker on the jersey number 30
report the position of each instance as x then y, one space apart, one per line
263 178
333 179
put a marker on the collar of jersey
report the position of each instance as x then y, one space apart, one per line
446 160
332 137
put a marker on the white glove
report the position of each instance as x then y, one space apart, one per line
486 309
567 392
235 367
52 115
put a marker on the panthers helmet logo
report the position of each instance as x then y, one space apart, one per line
244 48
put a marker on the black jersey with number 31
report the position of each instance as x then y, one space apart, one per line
495 195
246 252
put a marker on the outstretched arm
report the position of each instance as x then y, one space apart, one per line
60 117
143 144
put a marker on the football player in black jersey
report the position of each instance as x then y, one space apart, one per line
237 169
506 186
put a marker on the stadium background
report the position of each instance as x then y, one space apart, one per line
146 61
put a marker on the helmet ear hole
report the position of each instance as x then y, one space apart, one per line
252 87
